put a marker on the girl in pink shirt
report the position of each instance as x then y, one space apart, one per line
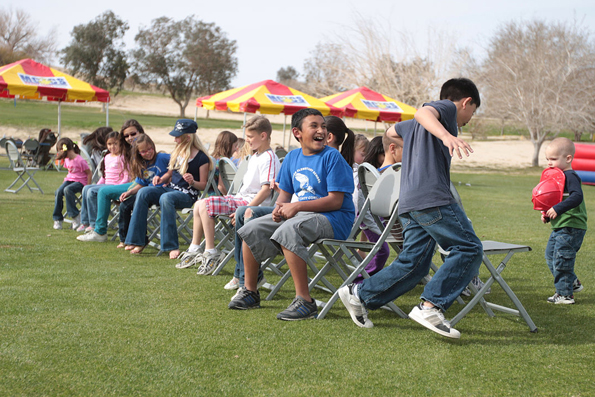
78 176
114 169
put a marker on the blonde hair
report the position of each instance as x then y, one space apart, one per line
563 146
181 154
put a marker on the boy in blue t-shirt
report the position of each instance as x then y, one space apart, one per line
322 181
429 214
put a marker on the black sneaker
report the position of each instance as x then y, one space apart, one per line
245 299
300 309
577 286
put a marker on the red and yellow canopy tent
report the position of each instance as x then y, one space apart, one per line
363 103
28 79
266 97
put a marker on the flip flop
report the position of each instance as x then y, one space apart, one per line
121 245
137 250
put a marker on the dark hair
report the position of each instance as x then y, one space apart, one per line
337 127
125 147
224 144
375 148
69 146
459 88
110 135
97 138
299 116
137 163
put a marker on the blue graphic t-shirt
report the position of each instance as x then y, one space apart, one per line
313 177
156 169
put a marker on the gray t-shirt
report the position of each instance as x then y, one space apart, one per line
425 176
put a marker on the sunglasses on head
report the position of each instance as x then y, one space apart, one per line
131 135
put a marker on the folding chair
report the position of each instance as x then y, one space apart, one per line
29 151
183 219
343 256
494 248
20 167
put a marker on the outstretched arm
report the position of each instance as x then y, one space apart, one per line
429 118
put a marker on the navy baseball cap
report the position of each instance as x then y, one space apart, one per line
184 126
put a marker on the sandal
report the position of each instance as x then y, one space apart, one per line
121 245
129 247
137 250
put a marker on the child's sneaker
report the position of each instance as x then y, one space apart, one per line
576 286
561 299
189 259
478 284
89 229
433 319
93 236
58 225
82 228
300 309
245 299
354 306
76 222
209 262
261 281
234 283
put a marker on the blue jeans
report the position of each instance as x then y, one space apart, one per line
89 204
257 212
105 195
560 254
446 225
126 208
67 190
169 200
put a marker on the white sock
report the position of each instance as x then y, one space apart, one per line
193 248
355 291
211 251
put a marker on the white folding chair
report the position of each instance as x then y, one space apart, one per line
20 167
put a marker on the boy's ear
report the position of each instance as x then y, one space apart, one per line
466 102
297 133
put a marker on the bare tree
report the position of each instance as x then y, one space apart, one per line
186 58
20 38
385 61
541 74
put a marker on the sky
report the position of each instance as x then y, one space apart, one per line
272 34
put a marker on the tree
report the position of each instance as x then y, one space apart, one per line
187 58
20 38
287 75
97 52
541 74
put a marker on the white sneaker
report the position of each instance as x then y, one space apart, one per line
76 222
58 225
433 319
81 228
209 262
234 283
354 306
561 299
189 259
93 236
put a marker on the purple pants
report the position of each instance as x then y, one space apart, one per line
379 260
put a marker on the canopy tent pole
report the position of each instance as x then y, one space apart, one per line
284 122
59 118
244 127
195 113
107 114
375 128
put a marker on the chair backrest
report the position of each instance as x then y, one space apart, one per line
384 195
31 145
211 185
367 175
236 184
281 153
13 154
90 162
227 171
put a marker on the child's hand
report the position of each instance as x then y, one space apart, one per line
189 178
156 180
277 217
288 210
274 186
455 143
551 213
233 218
123 197
544 217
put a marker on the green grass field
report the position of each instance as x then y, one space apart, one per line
88 319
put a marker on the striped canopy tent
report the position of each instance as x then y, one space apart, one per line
266 97
27 79
363 103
